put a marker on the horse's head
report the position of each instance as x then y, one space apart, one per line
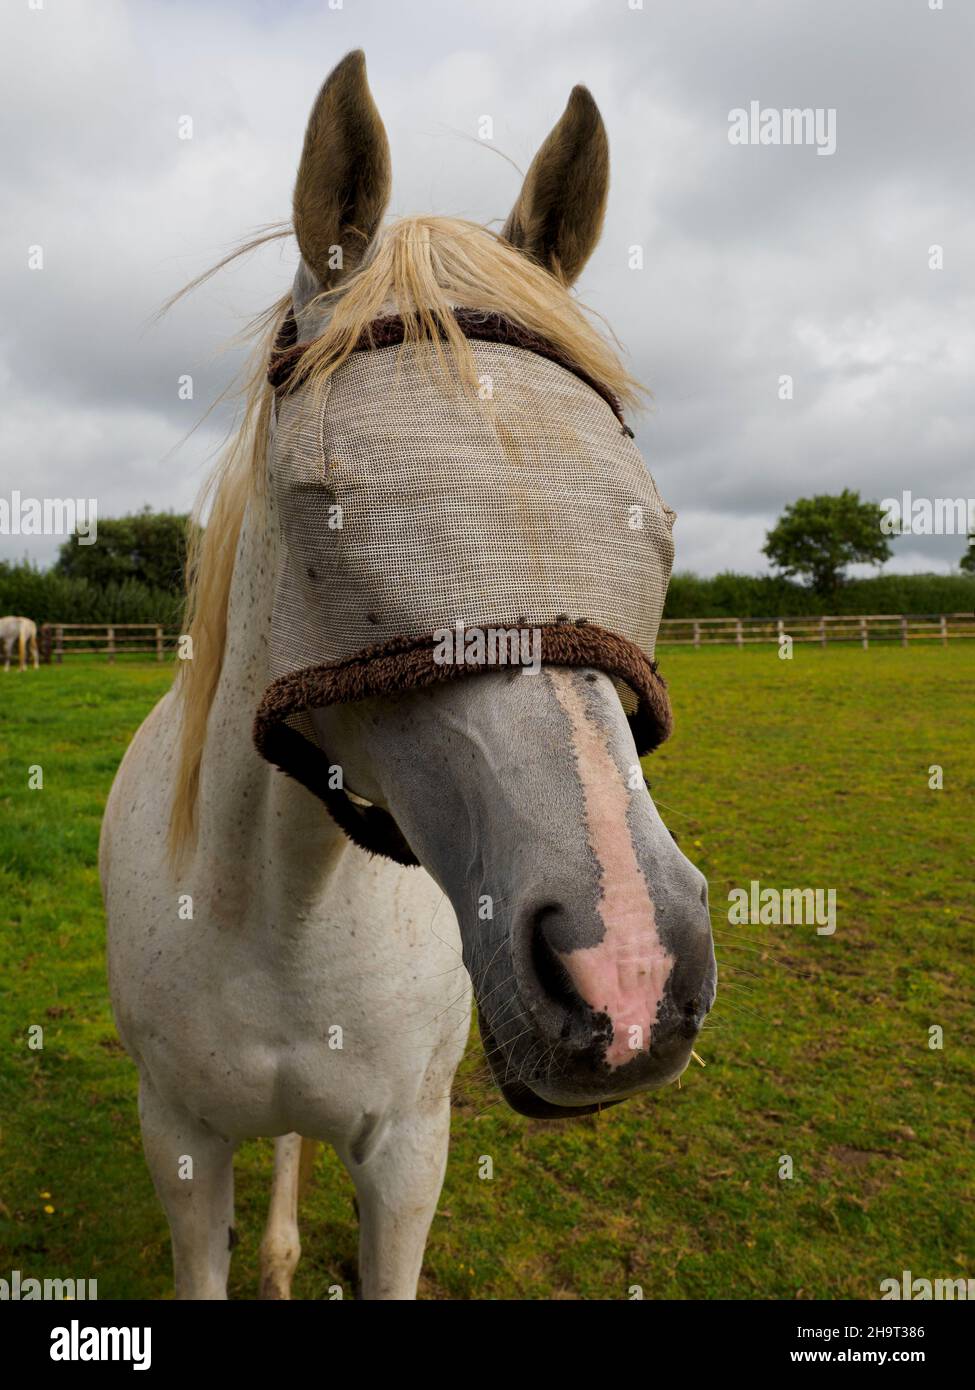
585 930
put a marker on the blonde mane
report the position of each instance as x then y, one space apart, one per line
420 268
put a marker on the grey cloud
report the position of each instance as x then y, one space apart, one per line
758 261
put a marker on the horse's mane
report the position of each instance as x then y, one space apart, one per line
421 268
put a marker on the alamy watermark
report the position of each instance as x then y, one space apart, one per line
764 125
488 646
908 515
790 907
17 1287
77 1343
49 516
921 1290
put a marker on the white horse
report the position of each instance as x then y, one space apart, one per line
269 978
23 631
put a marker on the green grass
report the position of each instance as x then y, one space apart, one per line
811 773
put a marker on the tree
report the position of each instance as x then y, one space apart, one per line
967 562
817 537
149 547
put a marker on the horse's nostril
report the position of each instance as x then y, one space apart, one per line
549 970
550 973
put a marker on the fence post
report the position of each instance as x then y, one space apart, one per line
903 629
697 634
864 639
59 645
822 632
739 636
159 654
111 646
944 631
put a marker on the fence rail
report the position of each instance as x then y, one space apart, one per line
864 628
58 640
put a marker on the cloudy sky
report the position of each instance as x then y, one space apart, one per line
758 260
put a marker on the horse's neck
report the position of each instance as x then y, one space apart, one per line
247 809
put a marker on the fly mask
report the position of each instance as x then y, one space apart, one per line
430 533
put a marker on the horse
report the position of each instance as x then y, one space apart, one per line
23 631
270 974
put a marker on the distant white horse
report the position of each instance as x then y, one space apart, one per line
23 631
271 978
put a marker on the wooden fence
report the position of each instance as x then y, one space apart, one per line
865 628
58 640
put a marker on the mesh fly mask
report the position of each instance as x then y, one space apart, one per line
428 534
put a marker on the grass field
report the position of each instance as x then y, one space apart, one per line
804 773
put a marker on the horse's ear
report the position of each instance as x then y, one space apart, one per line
344 176
559 213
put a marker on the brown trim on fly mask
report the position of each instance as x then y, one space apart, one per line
408 663
285 372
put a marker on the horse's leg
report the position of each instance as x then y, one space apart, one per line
193 1173
35 654
398 1185
7 649
294 1159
